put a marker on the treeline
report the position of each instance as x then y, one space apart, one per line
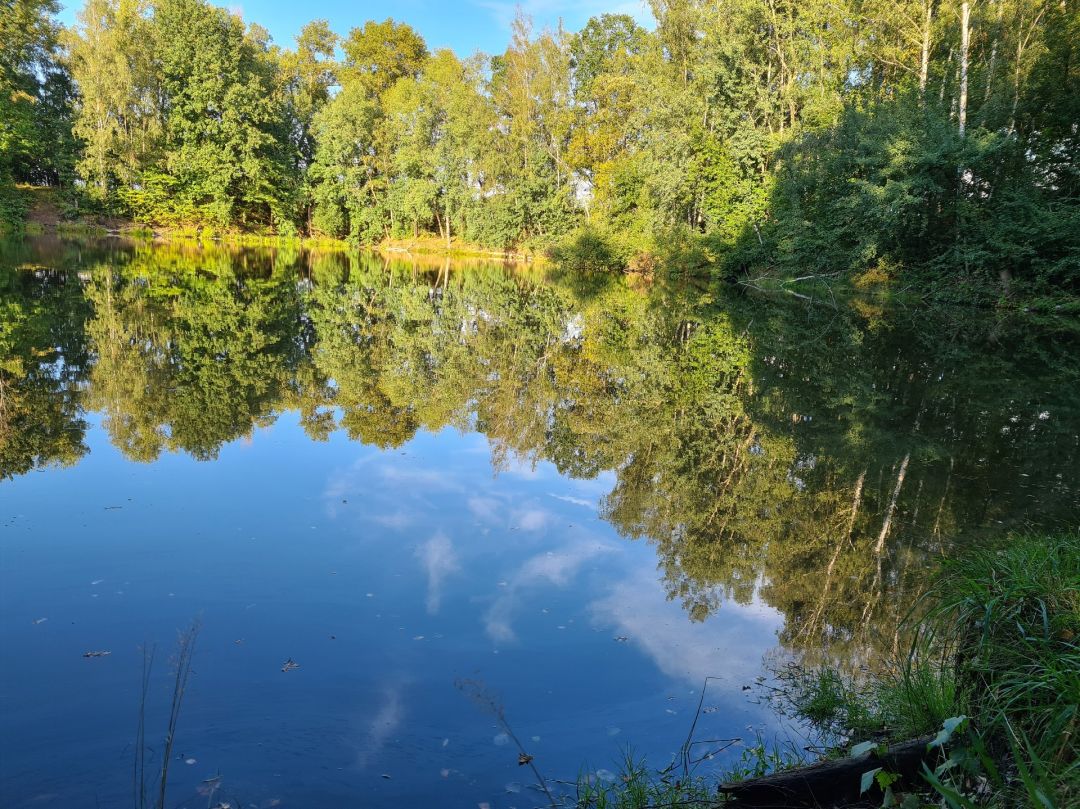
885 135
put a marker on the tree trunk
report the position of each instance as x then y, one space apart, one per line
993 56
965 33
832 783
924 62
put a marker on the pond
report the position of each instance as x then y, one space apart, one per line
424 512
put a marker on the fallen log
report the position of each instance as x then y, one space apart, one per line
833 783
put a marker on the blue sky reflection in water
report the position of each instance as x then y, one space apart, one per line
386 576
401 475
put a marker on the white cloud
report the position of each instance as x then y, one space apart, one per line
382 725
484 508
730 644
532 519
422 479
577 501
439 561
556 568
397 520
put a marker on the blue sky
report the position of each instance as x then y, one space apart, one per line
464 25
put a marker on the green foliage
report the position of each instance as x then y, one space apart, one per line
225 143
794 139
836 706
1015 612
13 207
895 184
589 252
36 145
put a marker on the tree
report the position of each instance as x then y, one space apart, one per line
35 141
380 53
437 125
310 72
226 145
112 55
343 174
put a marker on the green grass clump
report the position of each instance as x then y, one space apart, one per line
635 786
1015 613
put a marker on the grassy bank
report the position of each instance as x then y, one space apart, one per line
992 672
43 211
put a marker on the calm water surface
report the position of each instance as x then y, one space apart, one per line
419 482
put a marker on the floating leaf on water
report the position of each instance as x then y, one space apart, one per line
386 776
622 639
96 654
290 665
710 709
40 621
523 759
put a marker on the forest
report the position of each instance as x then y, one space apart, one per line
926 143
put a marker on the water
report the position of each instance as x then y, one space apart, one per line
438 488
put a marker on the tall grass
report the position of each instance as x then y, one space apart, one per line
635 786
152 796
1015 614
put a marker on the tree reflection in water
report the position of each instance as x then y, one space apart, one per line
814 457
